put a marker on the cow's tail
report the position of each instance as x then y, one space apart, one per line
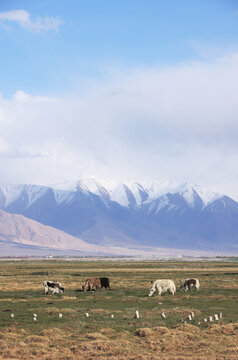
44 287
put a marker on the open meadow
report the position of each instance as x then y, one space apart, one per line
75 336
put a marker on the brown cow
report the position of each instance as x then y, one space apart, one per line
92 283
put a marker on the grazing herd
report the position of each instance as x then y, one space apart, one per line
167 285
160 285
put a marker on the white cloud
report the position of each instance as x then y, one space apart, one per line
177 123
23 19
4 147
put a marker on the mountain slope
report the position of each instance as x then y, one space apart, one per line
19 232
22 236
17 229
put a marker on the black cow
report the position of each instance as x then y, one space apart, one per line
105 282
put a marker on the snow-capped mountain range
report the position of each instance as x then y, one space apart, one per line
130 213
134 193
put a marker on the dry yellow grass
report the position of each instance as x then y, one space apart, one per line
184 342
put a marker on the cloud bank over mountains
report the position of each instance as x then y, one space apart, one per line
177 122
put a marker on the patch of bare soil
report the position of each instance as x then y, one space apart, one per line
183 311
54 310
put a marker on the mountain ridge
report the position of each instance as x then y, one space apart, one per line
141 191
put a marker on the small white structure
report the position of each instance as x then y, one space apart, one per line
162 286
192 314
205 319
137 315
35 315
189 317
163 315
220 315
210 318
112 316
86 314
60 315
12 315
34 318
216 317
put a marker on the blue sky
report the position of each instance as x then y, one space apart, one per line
130 89
96 36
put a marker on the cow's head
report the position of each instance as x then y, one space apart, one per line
61 289
183 285
85 287
151 292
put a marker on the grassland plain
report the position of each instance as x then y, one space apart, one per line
150 337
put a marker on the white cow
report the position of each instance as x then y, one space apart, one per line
163 286
54 286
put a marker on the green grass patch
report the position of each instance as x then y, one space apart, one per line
21 294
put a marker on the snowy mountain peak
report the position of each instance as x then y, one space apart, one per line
189 194
12 192
207 196
92 185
